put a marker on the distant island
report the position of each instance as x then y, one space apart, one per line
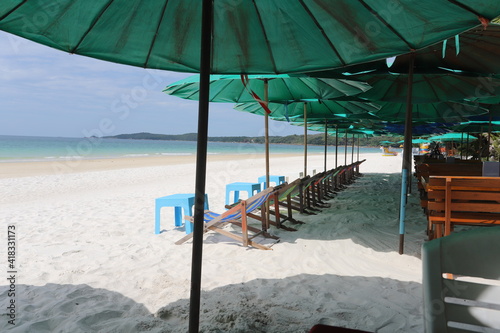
315 139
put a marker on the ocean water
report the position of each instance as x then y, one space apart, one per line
30 148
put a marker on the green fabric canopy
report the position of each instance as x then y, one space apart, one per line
260 36
230 88
478 127
445 112
427 88
315 109
452 137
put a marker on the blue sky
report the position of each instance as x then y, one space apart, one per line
45 92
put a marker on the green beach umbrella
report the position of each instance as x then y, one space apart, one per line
448 137
474 51
252 37
228 37
477 126
415 141
427 88
445 112
238 89
265 88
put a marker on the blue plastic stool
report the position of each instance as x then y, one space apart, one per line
250 188
180 202
277 180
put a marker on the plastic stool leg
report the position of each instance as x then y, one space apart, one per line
178 216
157 218
236 196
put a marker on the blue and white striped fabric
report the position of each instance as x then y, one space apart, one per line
209 216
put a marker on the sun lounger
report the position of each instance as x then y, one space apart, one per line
237 215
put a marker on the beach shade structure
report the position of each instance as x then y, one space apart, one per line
415 141
452 136
427 88
443 112
265 89
283 87
477 126
474 51
228 37
387 143
304 112
418 128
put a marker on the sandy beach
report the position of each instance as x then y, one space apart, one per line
87 258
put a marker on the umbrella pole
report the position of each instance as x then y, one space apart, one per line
406 169
201 165
336 146
266 125
467 152
462 146
345 148
489 135
326 143
305 139
352 149
358 149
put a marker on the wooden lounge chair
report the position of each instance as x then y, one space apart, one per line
461 276
237 215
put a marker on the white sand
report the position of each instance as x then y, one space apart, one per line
88 260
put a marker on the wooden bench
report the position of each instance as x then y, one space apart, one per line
455 200
424 171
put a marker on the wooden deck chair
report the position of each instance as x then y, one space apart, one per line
461 282
282 194
237 215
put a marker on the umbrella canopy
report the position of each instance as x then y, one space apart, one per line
452 137
247 36
415 141
418 128
427 88
232 89
320 109
478 126
431 112
473 51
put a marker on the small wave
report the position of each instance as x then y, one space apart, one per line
176 154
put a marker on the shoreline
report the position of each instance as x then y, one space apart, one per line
38 168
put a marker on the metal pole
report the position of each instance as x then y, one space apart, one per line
326 142
201 165
305 139
406 169
266 125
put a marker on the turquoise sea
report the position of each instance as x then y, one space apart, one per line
30 148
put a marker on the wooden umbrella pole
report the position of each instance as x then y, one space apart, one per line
305 139
352 149
326 142
462 146
266 126
201 165
405 172
467 151
336 145
358 148
345 148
